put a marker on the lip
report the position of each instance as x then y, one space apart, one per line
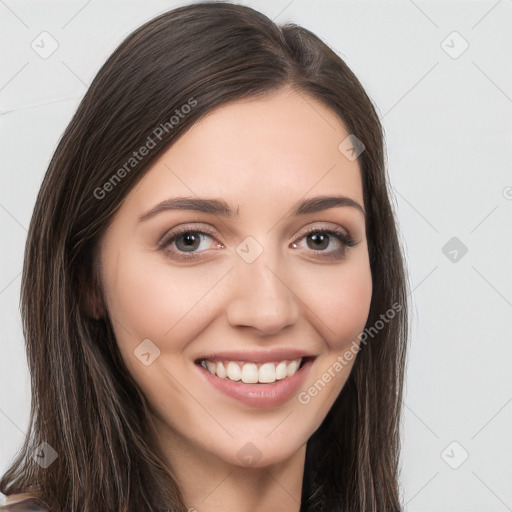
257 356
258 395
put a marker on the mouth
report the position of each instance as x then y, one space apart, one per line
253 373
256 380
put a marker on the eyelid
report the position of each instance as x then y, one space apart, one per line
201 227
184 228
341 233
325 227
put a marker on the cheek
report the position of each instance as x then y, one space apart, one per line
342 302
149 299
135 296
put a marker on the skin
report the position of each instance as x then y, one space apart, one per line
262 157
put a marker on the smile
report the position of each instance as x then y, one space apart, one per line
251 373
256 380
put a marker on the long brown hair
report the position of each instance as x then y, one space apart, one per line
85 404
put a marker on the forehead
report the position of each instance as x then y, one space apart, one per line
283 147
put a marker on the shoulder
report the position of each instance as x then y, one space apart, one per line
23 503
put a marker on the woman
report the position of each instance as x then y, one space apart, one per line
213 295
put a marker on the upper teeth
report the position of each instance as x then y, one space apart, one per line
251 373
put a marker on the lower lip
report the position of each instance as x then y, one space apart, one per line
259 395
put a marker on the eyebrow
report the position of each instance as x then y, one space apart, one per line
220 207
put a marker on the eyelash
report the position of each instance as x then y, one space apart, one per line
343 238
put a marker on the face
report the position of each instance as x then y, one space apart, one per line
236 288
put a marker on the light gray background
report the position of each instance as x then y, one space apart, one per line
448 128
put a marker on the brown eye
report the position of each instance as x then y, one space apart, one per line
319 241
182 244
188 242
330 244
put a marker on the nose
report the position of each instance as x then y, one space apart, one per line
262 299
